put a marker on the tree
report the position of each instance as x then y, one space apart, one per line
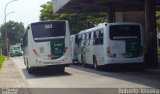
15 32
158 19
78 21
46 12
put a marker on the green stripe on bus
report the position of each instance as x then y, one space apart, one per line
57 48
133 48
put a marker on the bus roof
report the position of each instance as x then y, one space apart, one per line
102 25
49 21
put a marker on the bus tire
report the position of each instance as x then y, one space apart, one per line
30 70
95 66
61 69
82 61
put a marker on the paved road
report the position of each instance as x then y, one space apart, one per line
76 76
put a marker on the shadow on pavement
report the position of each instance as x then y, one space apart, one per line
133 74
44 73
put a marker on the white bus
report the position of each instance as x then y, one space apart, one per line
47 44
111 43
15 50
73 48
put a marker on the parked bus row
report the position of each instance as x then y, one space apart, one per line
49 44
109 43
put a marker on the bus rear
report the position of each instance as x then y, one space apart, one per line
50 44
125 43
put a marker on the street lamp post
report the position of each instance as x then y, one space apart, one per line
6 31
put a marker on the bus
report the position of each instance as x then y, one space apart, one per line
111 43
47 43
73 48
15 50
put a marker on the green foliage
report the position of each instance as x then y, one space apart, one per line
158 20
46 12
158 13
2 58
158 51
1 41
78 21
15 32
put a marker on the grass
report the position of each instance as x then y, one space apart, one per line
2 58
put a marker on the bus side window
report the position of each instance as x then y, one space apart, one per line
76 39
83 40
97 37
25 40
87 39
101 36
90 39
90 35
94 36
79 39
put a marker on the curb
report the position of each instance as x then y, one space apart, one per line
12 78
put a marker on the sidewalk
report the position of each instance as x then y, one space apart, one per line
10 77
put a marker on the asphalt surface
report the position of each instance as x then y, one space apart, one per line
87 80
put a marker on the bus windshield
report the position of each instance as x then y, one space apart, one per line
124 32
17 48
48 29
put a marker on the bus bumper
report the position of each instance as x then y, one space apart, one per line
124 61
59 62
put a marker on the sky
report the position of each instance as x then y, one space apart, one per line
25 11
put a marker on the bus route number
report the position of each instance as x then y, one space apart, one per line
48 26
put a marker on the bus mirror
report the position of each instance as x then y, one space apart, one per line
94 36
